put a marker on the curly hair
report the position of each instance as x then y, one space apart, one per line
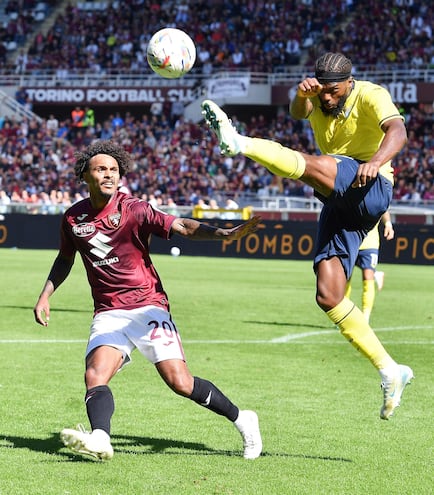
102 147
333 67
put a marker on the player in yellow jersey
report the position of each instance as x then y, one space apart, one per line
357 119
355 193
352 118
367 261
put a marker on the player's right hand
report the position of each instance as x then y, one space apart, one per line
309 87
40 310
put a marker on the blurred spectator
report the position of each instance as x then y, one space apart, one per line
89 117
171 207
77 120
5 200
117 121
21 96
53 124
21 62
182 163
231 205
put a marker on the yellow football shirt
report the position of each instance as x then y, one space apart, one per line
372 240
356 132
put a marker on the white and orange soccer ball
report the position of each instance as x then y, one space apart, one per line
171 53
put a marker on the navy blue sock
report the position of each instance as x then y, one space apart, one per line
100 407
206 394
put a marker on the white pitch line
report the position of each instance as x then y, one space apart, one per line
292 337
42 341
297 336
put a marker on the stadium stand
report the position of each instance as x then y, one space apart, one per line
182 163
259 36
177 161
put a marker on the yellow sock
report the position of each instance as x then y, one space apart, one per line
348 289
353 326
368 297
278 159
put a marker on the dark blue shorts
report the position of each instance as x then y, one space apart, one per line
348 215
367 259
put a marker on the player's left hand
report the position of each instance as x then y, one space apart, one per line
367 171
389 232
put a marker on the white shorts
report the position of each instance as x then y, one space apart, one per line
149 329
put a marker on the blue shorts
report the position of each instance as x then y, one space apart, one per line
367 259
348 214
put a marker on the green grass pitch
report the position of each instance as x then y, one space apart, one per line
250 326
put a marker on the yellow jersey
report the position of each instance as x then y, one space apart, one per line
356 132
372 240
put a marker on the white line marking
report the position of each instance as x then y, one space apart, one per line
42 341
294 338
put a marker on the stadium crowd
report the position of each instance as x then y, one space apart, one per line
262 36
178 162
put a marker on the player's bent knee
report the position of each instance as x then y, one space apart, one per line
326 302
94 377
181 385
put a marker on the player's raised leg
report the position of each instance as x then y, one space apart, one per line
317 171
281 161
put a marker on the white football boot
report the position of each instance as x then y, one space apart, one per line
96 444
393 385
219 122
379 278
247 424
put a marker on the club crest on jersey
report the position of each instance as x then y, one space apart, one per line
83 229
114 220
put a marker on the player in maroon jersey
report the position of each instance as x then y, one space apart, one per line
111 231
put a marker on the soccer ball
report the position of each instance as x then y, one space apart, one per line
171 53
175 251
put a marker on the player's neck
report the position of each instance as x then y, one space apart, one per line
100 201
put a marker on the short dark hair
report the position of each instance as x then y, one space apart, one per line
102 147
333 67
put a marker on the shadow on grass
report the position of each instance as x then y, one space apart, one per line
133 445
55 310
50 445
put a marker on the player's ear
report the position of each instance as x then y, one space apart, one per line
84 177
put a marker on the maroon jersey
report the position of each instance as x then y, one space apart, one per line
114 246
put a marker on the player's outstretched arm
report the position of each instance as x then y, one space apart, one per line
58 273
194 229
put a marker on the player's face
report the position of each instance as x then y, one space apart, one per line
102 177
333 97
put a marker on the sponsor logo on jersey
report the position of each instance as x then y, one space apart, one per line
106 261
101 245
114 220
83 229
